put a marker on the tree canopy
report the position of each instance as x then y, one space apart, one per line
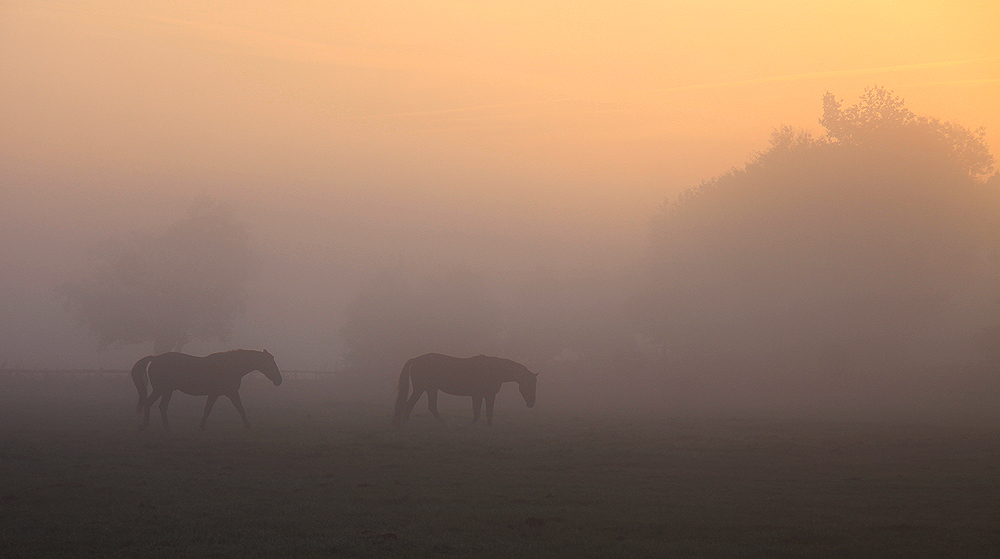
881 120
839 252
187 283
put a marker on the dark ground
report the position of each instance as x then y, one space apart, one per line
323 475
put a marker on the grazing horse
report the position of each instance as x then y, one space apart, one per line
479 377
218 374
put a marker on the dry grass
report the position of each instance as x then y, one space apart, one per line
323 475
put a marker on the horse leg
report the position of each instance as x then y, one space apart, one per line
432 403
490 399
235 399
163 408
208 409
148 405
477 405
412 402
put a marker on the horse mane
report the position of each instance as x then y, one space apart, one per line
240 351
512 366
509 362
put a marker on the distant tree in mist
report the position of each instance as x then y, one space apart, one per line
539 323
579 315
396 316
846 252
188 283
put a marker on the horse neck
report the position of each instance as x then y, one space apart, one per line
247 361
513 373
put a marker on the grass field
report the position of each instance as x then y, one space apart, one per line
323 475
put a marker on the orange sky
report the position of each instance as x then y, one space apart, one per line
354 131
609 100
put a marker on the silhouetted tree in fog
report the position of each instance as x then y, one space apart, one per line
880 121
579 314
188 283
846 252
395 317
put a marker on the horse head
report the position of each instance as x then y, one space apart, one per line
270 368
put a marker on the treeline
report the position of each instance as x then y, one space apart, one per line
873 247
870 244
869 252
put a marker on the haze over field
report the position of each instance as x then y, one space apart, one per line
508 156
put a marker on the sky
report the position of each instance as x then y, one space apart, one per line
351 133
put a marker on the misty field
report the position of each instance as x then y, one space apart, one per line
322 474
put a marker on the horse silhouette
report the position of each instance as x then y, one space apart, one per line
218 374
479 377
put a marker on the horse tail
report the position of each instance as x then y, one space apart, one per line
139 378
402 392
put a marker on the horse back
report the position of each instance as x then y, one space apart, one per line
197 376
458 376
